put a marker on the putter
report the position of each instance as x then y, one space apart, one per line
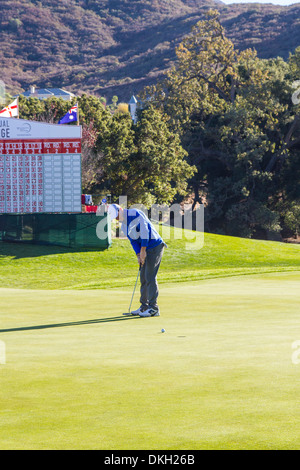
129 310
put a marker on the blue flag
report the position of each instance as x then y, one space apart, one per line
71 116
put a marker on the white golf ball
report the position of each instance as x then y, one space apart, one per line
163 330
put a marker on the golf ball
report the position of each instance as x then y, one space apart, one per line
163 330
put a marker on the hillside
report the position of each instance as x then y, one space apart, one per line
112 47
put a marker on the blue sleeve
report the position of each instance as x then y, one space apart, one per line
135 245
138 230
144 231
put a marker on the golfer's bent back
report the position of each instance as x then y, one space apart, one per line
148 246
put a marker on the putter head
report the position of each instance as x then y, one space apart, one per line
127 314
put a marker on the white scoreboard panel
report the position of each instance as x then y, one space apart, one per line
40 175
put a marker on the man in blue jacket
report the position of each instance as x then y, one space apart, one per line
148 246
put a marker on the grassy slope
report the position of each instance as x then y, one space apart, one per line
42 267
79 375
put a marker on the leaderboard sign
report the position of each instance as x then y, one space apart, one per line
40 167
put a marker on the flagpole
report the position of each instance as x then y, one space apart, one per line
18 107
77 114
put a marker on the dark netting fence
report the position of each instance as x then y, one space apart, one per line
69 230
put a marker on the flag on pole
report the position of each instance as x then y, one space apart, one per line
71 116
12 110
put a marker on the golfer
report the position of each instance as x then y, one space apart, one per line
148 246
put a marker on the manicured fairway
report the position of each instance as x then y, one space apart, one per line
78 375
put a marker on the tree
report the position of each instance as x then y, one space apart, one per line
143 162
236 120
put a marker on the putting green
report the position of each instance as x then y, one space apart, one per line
79 375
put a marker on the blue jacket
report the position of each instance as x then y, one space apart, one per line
139 230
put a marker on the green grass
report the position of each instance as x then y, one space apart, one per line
79 375
44 267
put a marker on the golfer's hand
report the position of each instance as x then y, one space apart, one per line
142 257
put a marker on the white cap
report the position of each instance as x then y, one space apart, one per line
113 210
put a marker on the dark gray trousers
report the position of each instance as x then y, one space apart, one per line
149 270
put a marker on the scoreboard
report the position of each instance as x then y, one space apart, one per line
40 167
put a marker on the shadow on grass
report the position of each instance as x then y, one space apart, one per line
27 250
75 323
